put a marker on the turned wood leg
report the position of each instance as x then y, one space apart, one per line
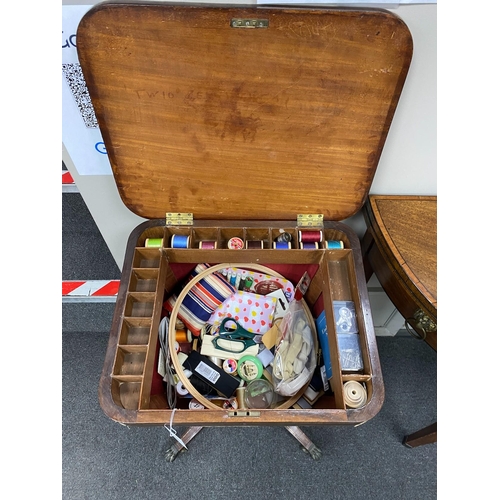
177 447
426 435
307 444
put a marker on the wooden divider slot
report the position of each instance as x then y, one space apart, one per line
135 331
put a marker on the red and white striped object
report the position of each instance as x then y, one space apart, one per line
68 183
66 177
92 290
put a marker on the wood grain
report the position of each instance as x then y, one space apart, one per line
401 248
231 123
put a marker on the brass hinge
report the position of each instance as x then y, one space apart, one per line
310 220
179 219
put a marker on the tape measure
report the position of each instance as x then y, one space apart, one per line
250 368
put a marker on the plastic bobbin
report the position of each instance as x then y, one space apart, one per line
354 394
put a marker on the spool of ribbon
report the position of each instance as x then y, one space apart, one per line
333 244
153 242
180 241
354 394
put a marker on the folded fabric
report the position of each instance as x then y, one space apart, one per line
252 311
202 299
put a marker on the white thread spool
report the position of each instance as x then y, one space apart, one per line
354 394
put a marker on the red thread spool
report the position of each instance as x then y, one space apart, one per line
310 236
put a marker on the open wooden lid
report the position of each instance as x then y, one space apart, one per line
202 114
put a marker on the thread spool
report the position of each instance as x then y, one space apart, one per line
310 236
216 361
180 241
240 397
313 245
333 244
284 237
153 242
208 245
255 245
235 243
354 394
194 404
181 390
282 245
230 404
183 336
230 366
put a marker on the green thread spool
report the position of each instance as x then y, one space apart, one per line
153 242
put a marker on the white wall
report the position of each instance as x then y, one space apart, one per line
408 163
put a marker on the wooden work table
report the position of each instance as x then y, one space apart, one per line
400 247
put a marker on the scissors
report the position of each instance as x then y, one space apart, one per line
232 333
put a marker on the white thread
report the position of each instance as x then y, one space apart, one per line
172 431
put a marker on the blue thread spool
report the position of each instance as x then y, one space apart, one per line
179 241
282 245
333 244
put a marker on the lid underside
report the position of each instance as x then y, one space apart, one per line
243 123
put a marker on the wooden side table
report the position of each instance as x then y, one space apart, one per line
400 247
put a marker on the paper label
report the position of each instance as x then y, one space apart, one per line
209 373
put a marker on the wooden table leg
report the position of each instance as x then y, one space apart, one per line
307 444
423 436
177 447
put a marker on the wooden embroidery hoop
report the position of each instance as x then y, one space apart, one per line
171 332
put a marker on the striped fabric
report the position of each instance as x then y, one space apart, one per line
202 299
